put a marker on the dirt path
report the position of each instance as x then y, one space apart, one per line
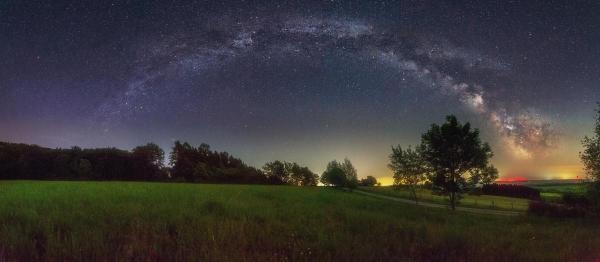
426 204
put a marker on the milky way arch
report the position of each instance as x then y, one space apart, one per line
437 64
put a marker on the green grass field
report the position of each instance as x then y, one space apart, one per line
578 188
483 201
553 192
118 221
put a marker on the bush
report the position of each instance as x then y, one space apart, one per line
593 195
511 191
540 208
577 200
368 181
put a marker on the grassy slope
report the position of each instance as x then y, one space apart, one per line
554 192
121 220
563 188
483 201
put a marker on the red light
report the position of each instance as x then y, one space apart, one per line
512 179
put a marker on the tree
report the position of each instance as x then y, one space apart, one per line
308 177
148 161
301 176
351 174
340 175
591 151
291 173
277 171
368 181
452 150
183 161
409 168
334 175
591 161
295 174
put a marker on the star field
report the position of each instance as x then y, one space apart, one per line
308 81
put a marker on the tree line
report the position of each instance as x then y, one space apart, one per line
22 161
201 164
147 163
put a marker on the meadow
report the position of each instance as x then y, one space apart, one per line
117 221
555 191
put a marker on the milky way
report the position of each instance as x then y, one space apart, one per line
529 134
305 81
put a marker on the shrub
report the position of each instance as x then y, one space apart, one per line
577 200
540 208
511 191
593 195
368 181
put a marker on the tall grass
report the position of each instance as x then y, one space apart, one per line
162 222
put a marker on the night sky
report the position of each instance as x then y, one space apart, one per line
306 81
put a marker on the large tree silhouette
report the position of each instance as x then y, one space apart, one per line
591 161
334 175
453 150
148 161
351 173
